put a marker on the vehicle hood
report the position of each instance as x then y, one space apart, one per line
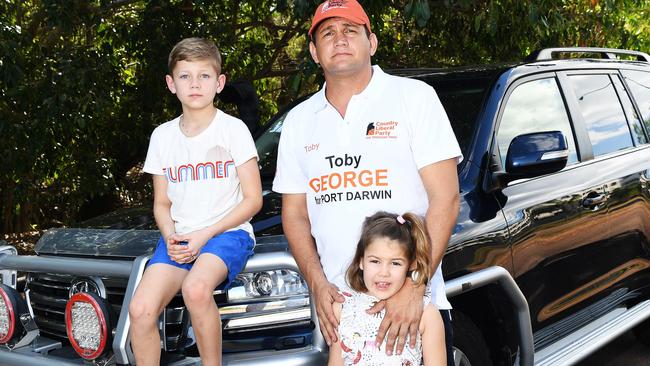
119 243
129 233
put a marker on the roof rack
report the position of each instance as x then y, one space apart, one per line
606 53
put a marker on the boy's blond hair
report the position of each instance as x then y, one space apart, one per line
193 49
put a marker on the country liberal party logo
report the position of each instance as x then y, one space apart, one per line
333 4
381 130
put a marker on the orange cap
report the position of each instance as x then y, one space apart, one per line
348 9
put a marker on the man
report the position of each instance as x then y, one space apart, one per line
366 142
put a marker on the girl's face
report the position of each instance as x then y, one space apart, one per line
384 266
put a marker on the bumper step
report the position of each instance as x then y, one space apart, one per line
585 341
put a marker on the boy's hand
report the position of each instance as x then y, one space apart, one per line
192 244
402 319
176 248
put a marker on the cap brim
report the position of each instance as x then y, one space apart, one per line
337 14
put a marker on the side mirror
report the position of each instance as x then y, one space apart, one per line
534 154
531 155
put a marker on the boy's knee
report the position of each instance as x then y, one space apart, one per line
141 311
196 292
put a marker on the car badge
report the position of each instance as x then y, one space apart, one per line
91 285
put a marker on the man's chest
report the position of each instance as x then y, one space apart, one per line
356 142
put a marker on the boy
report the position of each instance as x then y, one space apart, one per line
206 188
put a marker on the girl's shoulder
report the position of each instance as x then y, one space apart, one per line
358 298
431 318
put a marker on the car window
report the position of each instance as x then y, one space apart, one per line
462 96
602 113
267 147
636 126
535 106
639 83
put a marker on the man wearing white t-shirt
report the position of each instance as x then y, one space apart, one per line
367 141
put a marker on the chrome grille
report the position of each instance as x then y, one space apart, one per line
49 294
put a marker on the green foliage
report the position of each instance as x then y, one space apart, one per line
82 83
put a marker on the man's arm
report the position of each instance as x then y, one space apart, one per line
441 183
297 228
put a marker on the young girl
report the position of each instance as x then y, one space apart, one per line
392 249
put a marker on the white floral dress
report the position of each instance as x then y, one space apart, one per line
358 330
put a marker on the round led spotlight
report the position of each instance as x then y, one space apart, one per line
263 283
11 306
87 323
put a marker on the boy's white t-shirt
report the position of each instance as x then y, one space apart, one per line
349 168
202 182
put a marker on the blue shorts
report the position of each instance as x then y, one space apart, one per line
233 247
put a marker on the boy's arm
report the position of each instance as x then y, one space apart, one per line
336 354
161 208
297 228
432 330
251 186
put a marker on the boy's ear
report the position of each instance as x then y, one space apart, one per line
221 79
170 84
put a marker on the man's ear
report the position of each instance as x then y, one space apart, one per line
374 42
312 51
170 84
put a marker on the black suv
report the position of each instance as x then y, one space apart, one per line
549 259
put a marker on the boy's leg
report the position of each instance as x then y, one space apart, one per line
198 287
160 282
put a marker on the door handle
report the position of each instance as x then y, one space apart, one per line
596 200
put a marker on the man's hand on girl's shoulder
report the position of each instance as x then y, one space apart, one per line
325 294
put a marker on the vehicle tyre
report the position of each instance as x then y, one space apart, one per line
470 348
642 332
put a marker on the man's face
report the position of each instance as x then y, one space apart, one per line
342 47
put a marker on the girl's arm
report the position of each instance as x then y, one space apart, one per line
432 330
251 186
336 354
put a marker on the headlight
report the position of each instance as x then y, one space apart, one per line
17 326
87 324
264 299
277 283
7 314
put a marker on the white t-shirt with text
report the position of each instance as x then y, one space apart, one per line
202 180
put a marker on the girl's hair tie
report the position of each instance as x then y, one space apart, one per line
400 219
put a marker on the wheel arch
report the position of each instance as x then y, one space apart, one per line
483 296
